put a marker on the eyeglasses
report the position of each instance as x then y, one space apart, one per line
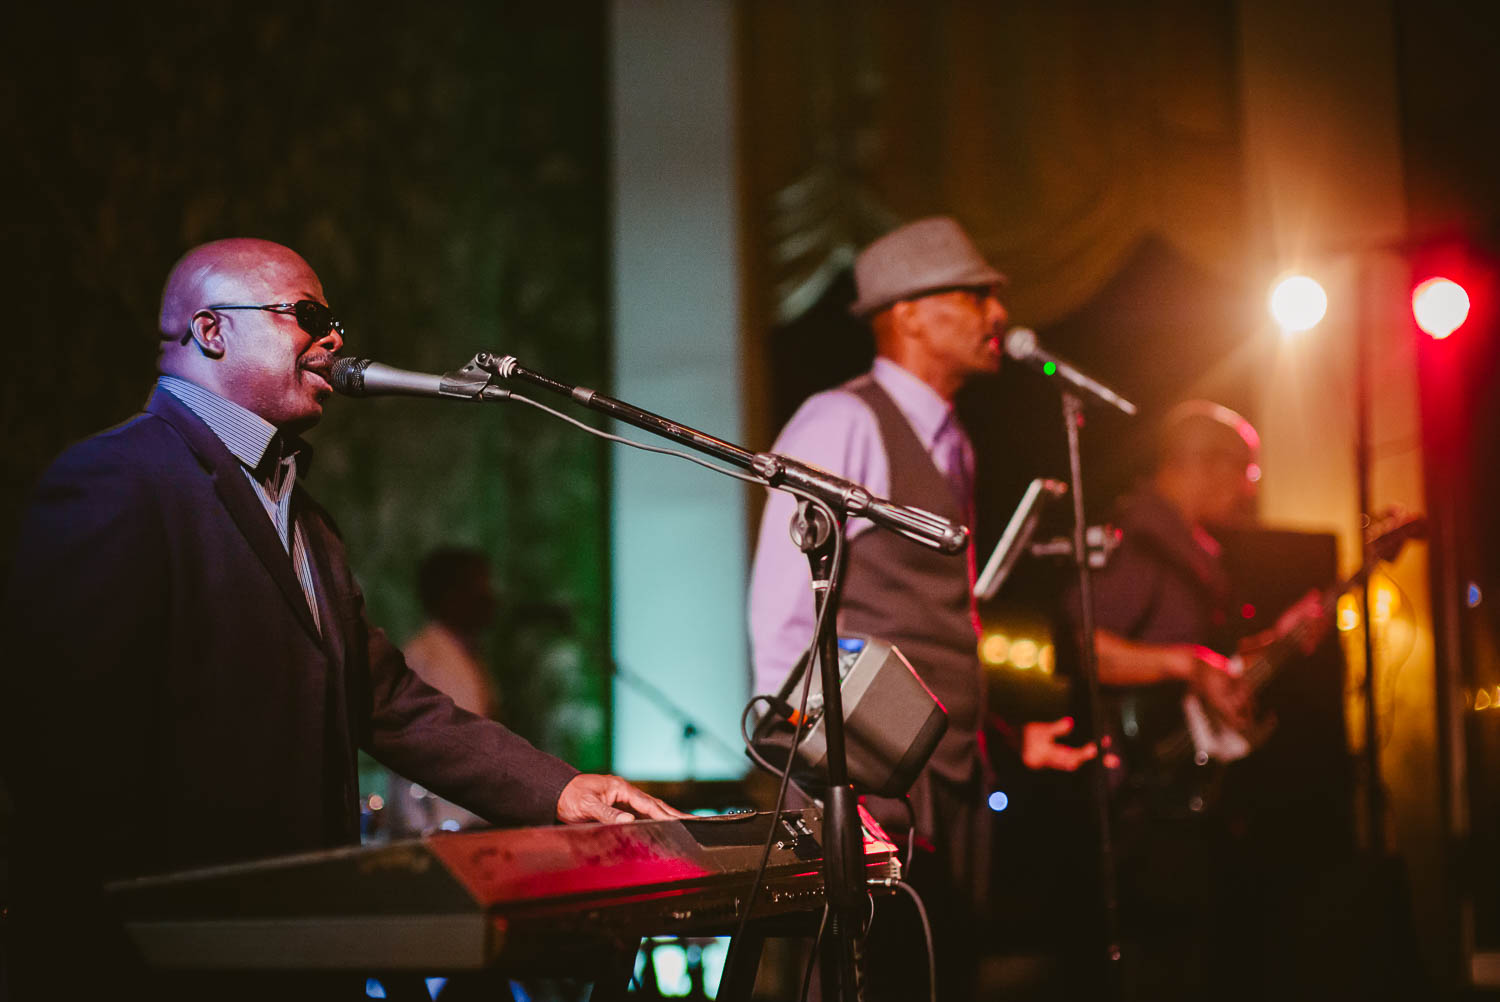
980 293
312 316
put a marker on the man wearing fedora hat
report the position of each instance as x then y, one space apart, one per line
933 305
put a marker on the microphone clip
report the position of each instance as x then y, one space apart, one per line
472 381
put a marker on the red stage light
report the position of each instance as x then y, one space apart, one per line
1440 305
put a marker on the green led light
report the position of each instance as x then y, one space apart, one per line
1050 368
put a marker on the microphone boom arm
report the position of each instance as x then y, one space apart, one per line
844 496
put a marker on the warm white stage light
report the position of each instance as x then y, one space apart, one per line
1298 303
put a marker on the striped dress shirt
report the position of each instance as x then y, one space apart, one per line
269 461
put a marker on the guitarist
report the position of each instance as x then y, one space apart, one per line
1162 630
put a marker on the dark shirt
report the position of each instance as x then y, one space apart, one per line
1164 585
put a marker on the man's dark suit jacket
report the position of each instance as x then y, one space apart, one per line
168 700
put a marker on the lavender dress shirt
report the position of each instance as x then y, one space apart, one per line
835 430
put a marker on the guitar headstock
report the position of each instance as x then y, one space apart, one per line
1387 534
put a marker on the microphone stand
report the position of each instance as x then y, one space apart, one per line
826 502
1072 420
816 528
1074 386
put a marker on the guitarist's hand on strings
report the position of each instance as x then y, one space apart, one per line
1208 674
1223 692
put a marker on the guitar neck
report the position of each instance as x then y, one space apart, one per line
1268 660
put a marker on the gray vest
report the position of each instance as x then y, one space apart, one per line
915 597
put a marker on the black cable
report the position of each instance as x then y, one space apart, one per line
765 855
870 920
911 834
812 958
786 774
750 750
927 935
749 739
748 478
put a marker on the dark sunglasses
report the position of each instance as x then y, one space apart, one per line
312 316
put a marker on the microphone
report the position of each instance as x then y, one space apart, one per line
363 377
1021 344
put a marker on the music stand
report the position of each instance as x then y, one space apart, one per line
1017 534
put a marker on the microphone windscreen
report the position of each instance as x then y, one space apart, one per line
347 376
1020 343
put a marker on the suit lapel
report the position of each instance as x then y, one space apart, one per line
320 540
316 533
238 499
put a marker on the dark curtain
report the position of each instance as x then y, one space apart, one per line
1061 134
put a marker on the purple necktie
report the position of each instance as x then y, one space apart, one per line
950 454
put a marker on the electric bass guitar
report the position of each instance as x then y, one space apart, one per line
1178 766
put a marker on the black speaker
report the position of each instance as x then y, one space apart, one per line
892 721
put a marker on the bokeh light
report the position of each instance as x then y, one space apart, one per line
1385 600
1298 303
995 649
1018 653
1440 306
1348 613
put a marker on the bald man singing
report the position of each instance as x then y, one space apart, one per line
192 666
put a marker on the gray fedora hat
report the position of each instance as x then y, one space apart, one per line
925 256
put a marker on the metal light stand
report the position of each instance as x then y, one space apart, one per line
1375 794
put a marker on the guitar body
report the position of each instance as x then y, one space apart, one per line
1175 754
1161 773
